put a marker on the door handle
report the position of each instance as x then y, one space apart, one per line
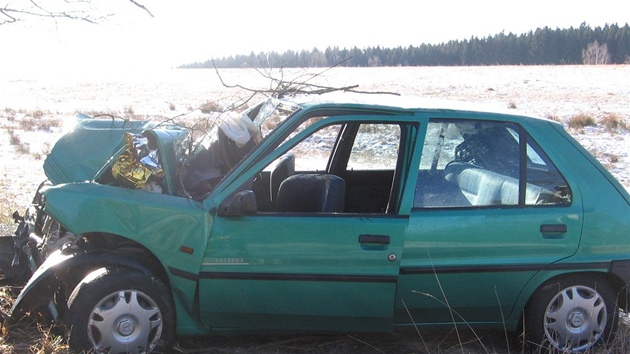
553 230
374 239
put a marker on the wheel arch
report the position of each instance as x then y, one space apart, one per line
63 270
615 282
617 285
111 250
612 287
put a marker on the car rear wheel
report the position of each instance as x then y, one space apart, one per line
120 311
572 314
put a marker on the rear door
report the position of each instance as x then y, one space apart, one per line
316 270
490 211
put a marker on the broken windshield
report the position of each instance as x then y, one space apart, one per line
232 136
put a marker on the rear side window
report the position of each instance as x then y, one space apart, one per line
471 163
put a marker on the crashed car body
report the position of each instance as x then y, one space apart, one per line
333 214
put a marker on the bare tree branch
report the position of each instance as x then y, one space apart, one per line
76 10
280 87
142 7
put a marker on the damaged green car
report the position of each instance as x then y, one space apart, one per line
328 213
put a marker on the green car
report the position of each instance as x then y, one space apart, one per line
329 213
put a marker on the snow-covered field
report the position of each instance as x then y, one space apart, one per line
556 92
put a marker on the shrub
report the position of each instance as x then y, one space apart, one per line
129 112
37 114
15 140
210 107
9 114
34 124
613 158
581 121
613 122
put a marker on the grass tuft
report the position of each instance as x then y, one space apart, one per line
613 122
211 107
580 121
20 146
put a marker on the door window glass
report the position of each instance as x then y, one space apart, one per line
469 163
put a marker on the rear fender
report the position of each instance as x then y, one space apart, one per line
64 269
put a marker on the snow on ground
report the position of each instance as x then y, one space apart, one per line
555 92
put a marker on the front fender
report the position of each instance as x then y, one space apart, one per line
161 223
47 279
40 288
37 294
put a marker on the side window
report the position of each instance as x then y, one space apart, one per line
313 153
469 163
346 167
375 147
541 172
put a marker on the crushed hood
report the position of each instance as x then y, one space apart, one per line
81 154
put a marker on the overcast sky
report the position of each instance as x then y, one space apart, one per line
185 31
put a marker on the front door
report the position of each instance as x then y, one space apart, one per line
304 266
313 272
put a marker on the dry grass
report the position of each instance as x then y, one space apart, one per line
211 107
38 123
6 203
613 122
16 123
580 121
28 336
20 146
406 341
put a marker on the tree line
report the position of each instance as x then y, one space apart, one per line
544 46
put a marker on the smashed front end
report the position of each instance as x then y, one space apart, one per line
127 194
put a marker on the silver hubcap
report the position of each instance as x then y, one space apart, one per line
125 321
575 318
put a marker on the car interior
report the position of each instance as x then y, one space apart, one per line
348 179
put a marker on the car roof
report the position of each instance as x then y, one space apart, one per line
393 102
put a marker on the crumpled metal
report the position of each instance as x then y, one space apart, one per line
137 164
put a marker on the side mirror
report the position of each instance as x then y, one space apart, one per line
241 203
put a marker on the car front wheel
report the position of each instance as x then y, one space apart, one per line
119 311
572 314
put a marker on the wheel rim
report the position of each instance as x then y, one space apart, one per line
575 318
125 321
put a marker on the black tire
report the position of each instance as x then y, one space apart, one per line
571 314
120 311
